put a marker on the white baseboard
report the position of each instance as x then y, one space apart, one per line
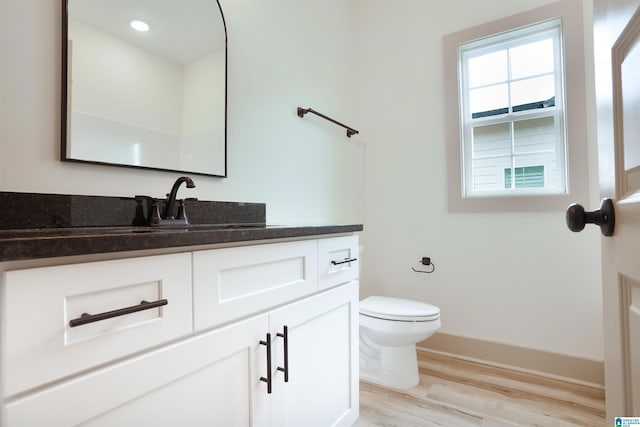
558 366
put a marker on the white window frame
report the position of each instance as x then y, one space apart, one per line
536 32
572 101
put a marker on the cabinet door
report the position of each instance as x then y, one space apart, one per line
209 380
322 360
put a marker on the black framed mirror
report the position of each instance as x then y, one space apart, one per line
154 97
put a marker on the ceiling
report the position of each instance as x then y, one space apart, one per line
180 30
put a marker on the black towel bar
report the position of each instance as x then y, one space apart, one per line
303 111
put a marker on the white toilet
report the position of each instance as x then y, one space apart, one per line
389 331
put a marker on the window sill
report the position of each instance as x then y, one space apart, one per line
512 203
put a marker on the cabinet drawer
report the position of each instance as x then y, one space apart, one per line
334 265
39 304
235 282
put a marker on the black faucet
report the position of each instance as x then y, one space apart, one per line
170 207
170 218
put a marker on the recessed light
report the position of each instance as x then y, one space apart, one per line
139 26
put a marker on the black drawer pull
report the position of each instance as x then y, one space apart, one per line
268 378
285 336
90 318
344 261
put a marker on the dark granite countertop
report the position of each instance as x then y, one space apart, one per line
37 225
23 244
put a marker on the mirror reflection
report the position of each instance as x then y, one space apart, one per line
146 84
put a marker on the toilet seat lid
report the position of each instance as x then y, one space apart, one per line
398 309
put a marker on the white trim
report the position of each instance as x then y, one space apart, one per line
575 369
514 368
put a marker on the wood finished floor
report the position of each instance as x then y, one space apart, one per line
453 392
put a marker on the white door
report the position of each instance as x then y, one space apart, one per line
617 61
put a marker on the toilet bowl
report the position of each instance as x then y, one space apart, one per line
389 331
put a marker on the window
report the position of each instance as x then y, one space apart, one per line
528 177
511 87
516 112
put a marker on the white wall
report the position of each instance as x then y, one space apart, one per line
281 55
516 278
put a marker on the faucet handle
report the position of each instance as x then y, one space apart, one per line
155 214
139 219
182 213
143 210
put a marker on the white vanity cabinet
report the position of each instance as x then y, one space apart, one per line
200 360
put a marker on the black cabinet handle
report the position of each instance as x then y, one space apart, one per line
344 261
268 378
90 318
285 336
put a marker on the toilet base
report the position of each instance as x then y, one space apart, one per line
395 367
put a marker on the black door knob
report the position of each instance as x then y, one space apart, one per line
604 217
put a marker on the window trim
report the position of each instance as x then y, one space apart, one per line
576 147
